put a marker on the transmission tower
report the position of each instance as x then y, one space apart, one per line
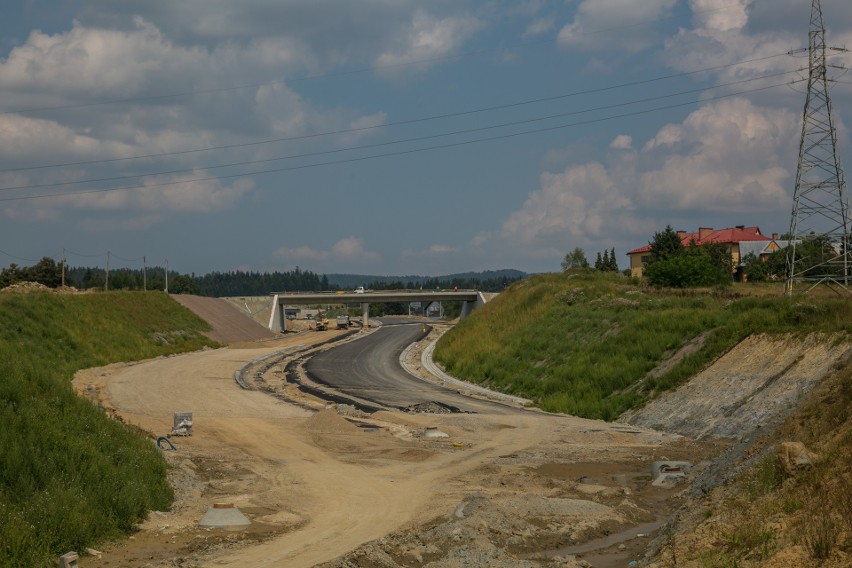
820 248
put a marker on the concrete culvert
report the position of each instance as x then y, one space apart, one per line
223 516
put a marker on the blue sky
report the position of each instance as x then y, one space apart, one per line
396 137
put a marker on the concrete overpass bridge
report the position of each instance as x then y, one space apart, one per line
470 299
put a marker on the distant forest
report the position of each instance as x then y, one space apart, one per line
238 283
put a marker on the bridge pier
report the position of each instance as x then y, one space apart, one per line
365 316
467 307
277 320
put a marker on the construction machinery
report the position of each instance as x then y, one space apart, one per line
320 322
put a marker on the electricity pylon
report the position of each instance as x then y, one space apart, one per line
820 248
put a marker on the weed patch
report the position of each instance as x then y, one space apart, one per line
602 336
70 476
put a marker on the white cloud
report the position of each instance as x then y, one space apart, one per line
426 37
28 137
711 15
621 142
580 201
539 26
349 250
595 20
352 249
720 37
724 156
727 159
435 250
141 206
94 64
301 254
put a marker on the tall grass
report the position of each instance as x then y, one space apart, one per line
69 475
584 343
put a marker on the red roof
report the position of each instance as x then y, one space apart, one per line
729 235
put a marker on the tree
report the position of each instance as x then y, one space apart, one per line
672 264
776 264
9 276
183 284
613 263
599 262
46 272
575 259
755 269
665 244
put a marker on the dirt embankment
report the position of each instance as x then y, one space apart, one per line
751 388
744 395
229 324
381 490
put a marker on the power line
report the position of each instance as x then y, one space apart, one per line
393 142
393 154
10 255
97 255
408 121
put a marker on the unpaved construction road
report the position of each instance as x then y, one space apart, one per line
519 488
316 486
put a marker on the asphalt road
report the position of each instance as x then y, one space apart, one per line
369 369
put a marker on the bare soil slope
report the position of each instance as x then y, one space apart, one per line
229 324
753 386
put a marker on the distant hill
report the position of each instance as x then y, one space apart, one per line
347 281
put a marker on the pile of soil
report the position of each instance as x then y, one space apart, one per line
328 421
25 287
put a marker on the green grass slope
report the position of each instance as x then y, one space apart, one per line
69 475
583 343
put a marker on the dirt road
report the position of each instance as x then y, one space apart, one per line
317 486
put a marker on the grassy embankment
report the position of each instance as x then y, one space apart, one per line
585 343
69 475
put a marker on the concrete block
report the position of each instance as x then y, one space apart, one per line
69 560
182 424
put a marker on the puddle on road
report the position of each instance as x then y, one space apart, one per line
617 549
604 552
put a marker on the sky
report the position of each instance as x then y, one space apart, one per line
396 137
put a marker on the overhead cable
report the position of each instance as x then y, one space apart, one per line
402 122
393 154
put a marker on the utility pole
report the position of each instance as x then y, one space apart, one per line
106 280
144 274
820 248
167 276
62 265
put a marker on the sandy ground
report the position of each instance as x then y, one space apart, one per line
520 489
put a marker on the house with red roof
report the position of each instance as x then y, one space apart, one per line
740 240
